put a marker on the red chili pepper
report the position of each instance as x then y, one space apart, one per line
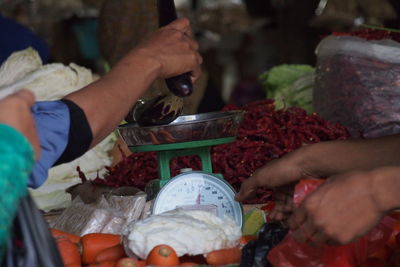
265 134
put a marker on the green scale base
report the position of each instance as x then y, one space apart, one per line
166 152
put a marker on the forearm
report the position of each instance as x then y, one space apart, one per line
330 158
112 96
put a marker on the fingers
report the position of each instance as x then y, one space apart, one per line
27 96
298 218
195 74
182 25
192 43
15 110
305 232
247 190
319 238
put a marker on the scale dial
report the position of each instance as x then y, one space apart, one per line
199 188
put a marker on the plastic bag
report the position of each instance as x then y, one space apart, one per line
254 253
109 214
289 253
358 85
31 243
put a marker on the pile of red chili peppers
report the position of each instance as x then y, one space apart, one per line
265 134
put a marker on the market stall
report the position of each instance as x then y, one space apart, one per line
160 190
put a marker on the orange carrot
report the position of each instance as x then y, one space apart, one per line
162 255
130 262
69 251
60 234
92 244
111 254
246 239
224 256
103 264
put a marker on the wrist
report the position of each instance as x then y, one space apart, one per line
138 67
146 60
310 159
384 185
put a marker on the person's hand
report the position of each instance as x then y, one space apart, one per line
278 173
15 111
174 49
339 211
284 205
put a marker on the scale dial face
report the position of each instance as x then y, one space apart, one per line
199 188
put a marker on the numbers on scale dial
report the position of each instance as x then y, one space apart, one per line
197 189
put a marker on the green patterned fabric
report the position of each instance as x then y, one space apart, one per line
16 162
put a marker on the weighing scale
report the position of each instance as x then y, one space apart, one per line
189 135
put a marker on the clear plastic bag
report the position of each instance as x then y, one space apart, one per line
109 214
358 85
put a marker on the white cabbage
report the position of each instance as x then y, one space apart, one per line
24 69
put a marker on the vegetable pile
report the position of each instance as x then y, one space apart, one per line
290 85
107 250
265 134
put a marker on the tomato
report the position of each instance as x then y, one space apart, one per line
162 255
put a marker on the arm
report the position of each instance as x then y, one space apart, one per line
323 160
68 128
17 139
168 52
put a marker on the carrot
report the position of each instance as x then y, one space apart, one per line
69 251
61 234
130 262
162 255
246 239
224 256
94 243
111 254
103 264
140 263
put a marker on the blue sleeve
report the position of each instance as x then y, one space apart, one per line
52 124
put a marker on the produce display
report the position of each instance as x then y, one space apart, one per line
189 232
358 82
290 85
101 250
265 134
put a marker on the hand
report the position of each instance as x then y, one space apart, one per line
15 111
341 210
277 173
284 205
174 49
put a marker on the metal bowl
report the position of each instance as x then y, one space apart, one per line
187 128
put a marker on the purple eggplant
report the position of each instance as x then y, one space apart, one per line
160 110
180 85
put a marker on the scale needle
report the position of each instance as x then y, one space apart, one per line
198 199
